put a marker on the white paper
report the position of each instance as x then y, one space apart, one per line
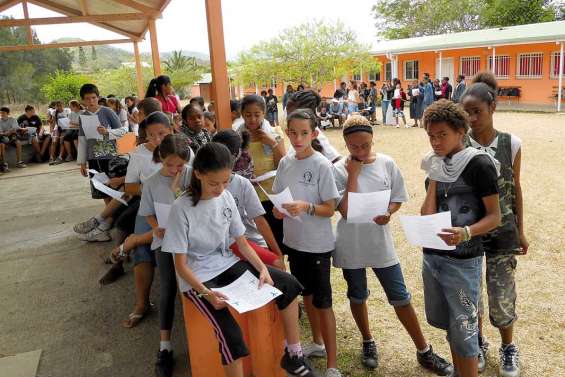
89 125
415 92
422 230
282 198
264 177
244 294
396 93
438 92
364 207
64 123
108 191
100 177
162 212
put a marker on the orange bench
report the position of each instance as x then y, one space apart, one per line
263 333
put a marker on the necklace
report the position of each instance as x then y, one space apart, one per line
445 191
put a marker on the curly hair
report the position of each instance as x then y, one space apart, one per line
447 112
356 120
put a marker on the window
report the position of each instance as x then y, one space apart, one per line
388 71
555 65
469 66
411 70
374 76
502 66
530 65
357 76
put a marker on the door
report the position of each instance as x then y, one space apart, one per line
447 69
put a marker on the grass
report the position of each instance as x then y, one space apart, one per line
540 330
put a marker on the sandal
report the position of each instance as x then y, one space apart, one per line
116 257
133 320
115 272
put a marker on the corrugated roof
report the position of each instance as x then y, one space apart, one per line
521 34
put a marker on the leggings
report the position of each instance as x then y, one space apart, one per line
275 224
168 289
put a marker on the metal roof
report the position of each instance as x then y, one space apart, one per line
521 34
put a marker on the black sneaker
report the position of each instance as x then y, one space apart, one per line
434 362
297 366
509 361
165 364
483 348
370 357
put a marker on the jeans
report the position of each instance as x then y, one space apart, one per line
384 107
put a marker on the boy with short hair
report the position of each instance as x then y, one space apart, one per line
8 136
40 140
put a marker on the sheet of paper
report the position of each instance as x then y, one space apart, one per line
90 124
416 92
64 123
244 294
364 207
438 92
422 230
162 212
100 177
279 199
108 191
264 177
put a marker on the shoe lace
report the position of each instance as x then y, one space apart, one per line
510 356
437 360
369 349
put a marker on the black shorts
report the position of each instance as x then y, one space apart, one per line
9 139
70 135
313 271
101 166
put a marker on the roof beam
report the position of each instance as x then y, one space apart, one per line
51 5
9 4
63 45
72 19
26 15
140 7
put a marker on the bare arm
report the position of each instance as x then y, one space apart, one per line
429 207
520 202
133 189
279 151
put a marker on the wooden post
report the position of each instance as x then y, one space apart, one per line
26 16
220 87
154 48
138 71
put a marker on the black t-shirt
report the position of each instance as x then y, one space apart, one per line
33 121
480 174
271 102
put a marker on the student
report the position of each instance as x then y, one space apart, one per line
92 153
353 99
398 101
372 101
58 133
446 88
116 105
467 187
198 100
161 88
210 123
502 244
132 114
429 96
336 112
70 137
362 246
211 107
257 229
459 89
287 94
8 136
163 187
203 261
39 139
193 126
236 119
385 100
272 108
310 242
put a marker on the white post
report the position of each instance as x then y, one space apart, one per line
494 61
560 87
335 80
396 67
440 66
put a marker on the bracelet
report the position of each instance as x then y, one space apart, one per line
467 234
311 209
203 294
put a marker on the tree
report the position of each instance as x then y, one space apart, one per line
81 57
183 71
93 56
121 81
517 12
64 86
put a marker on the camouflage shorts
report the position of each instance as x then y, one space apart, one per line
501 290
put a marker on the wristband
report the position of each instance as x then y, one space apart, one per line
311 209
468 233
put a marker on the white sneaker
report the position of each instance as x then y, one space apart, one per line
314 350
397 126
95 235
86 226
332 372
509 361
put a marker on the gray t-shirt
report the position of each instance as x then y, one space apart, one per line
141 165
203 233
312 180
157 189
368 245
89 149
248 205
8 124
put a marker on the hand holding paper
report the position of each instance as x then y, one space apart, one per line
90 125
264 177
108 191
279 199
423 230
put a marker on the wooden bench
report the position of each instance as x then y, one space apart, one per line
509 93
263 333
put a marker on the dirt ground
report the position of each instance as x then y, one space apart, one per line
51 299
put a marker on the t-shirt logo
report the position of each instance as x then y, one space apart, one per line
227 214
307 177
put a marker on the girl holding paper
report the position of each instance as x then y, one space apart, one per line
463 181
201 225
366 245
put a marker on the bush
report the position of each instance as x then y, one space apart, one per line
64 86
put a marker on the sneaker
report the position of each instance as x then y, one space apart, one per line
297 366
314 350
483 348
397 126
6 167
86 226
370 357
95 235
332 372
509 361
58 161
69 158
435 363
165 364
21 165
51 161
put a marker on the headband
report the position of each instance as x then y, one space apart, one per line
357 128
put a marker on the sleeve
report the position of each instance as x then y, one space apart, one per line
515 146
278 184
82 147
237 229
116 130
398 192
21 120
326 185
340 181
481 175
146 206
251 202
133 171
176 236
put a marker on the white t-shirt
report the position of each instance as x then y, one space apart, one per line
123 116
141 165
515 145
329 151
134 126
204 232
368 245
248 205
312 180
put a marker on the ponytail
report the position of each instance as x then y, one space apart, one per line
195 189
151 89
154 88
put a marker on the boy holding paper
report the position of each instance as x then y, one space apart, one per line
369 245
97 152
463 181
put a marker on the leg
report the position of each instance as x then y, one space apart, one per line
168 291
357 294
45 144
409 320
314 320
501 289
234 369
143 273
18 150
328 327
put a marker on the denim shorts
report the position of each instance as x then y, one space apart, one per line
451 295
143 253
391 280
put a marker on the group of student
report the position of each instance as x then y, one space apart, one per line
221 225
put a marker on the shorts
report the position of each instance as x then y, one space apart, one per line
391 280
143 253
451 296
9 139
266 255
101 166
501 290
228 333
398 112
312 271
70 135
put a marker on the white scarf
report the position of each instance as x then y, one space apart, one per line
448 170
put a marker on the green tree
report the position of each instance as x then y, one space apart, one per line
121 81
64 86
183 70
517 12
93 56
81 57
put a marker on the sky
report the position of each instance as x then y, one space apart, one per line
246 22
